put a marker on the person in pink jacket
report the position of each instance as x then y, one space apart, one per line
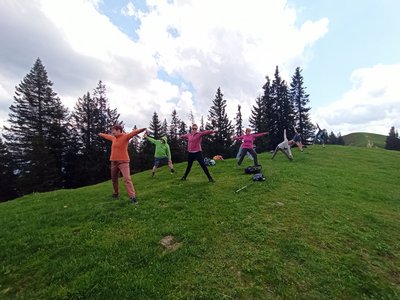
248 144
195 151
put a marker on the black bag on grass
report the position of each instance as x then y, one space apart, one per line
259 177
253 169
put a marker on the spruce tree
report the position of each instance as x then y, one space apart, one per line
239 122
146 151
220 142
282 110
173 140
92 115
164 128
332 139
183 129
238 130
7 176
37 132
392 140
133 150
263 118
300 100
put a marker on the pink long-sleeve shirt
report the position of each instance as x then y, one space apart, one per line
248 139
194 140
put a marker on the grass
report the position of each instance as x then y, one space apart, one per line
324 226
365 139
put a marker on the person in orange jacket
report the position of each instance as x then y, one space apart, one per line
120 159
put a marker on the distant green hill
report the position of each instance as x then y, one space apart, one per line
365 139
323 226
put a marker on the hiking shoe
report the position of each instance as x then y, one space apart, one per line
172 171
115 195
133 200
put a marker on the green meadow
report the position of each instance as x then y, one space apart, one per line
365 139
323 226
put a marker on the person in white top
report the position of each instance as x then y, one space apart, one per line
284 147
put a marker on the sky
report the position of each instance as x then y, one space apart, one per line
161 55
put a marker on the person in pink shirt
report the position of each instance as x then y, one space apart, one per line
195 151
248 144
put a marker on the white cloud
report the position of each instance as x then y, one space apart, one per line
372 105
209 44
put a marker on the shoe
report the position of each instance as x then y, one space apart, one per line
152 174
211 180
172 171
133 200
183 179
115 195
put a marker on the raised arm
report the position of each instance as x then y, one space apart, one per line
106 136
150 139
205 132
240 137
135 132
260 134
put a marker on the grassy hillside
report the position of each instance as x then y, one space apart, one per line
365 139
324 226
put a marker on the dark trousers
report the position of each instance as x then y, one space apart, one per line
243 154
199 157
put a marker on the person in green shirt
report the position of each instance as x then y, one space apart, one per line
162 153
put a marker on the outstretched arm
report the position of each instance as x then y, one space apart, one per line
237 137
204 132
260 134
135 132
106 136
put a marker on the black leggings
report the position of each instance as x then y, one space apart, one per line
243 153
199 157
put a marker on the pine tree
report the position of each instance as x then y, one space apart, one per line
85 117
146 152
392 140
37 132
340 140
7 177
332 139
239 122
238 130
133 150
91 116
164 128
155 128
202 126
174 143
282 110
183 142
220 142
261 116
300 100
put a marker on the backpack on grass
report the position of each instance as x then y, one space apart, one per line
259 177
253 169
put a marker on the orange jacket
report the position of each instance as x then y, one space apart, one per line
119 147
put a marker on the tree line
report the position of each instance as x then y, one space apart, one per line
46 147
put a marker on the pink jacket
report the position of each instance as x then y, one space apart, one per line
248 139
194 140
